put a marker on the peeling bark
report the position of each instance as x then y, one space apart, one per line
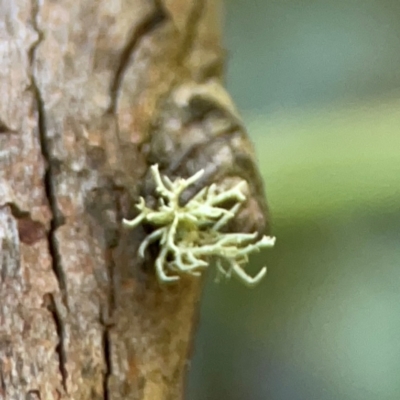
81 84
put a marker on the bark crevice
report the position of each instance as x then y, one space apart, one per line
2 380
56 218
106 320
60 348
16 211
4 129
107 361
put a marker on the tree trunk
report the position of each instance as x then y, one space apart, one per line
82 83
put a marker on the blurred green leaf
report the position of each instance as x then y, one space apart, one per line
332 161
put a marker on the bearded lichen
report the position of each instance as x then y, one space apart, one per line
192 236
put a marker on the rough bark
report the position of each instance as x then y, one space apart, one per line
81 83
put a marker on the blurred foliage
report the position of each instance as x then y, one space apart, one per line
318 84
320 162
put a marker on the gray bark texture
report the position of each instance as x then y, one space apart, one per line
81 83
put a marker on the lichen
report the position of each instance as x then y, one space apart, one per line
191 236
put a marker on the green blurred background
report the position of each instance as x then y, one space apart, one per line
318 85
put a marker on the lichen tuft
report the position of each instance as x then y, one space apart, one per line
191 237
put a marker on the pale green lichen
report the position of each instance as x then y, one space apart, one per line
190 236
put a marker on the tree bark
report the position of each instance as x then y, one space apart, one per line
81 84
